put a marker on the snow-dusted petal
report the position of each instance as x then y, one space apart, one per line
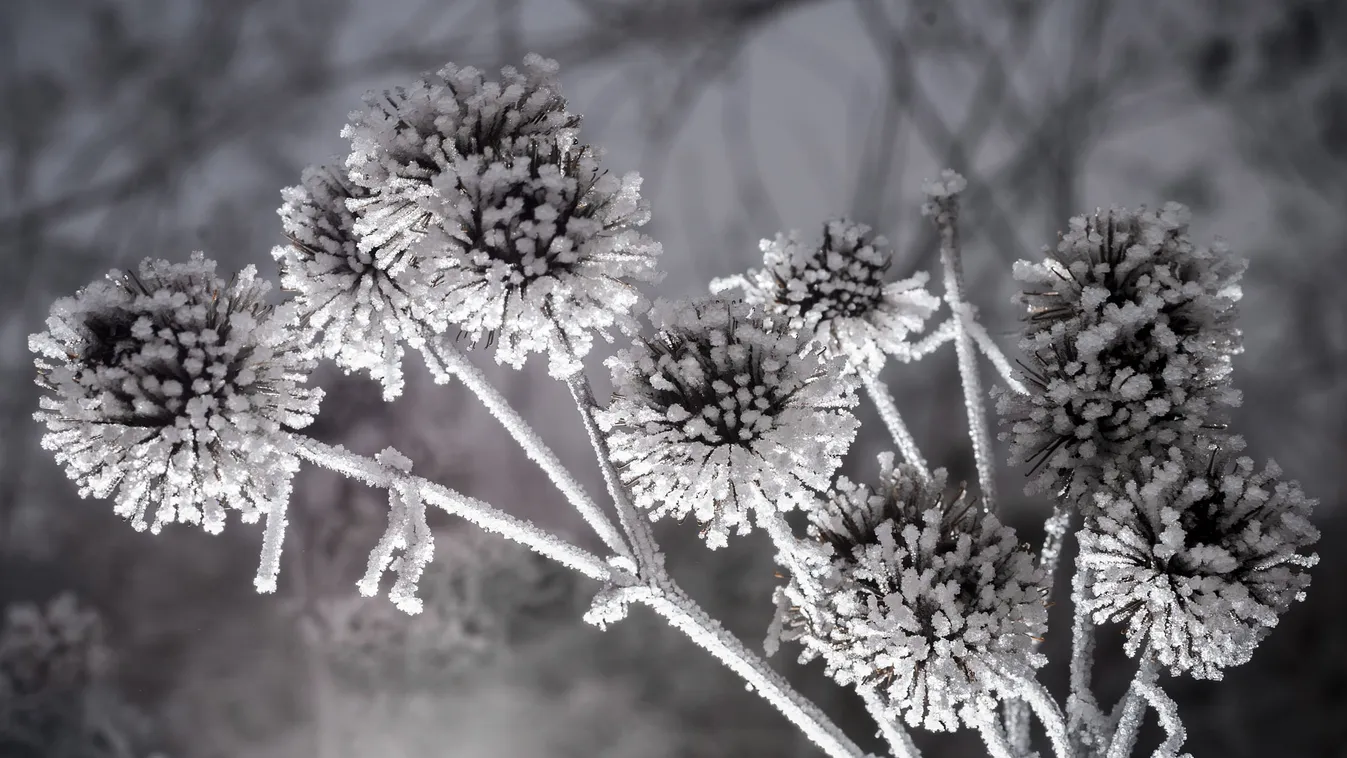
722 412
1199 555
171 390
922 596
360 314
1128 345
836 288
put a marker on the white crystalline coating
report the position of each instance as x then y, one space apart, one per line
836 289
922 596
172 390
1128 342
51 649
480 595
479 196
359 312
1198 555
541 250
721 413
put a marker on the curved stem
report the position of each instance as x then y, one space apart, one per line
989 348
375 474
1131 710
900 742
445 361
997 744
1032 691
888 411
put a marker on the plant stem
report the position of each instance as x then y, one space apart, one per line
900 742
375 474
684 615
946 212
888 411
1131 710
452 363
648 557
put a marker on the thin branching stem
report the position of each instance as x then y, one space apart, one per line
685 616
946 214
900 742
888 411
446 361
342 461
1131 709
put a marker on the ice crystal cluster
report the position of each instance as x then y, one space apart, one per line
171 390
476 599
923 596
1198 556
1129 340
837 289
724 411
480 204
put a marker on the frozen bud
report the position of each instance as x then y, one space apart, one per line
173 390
722 412
925 598
1128 345
1198 555
836 289
540 250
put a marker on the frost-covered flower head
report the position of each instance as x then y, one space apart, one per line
1198 555
359 313
478 597
59 648
480 196
1128 340
722 412
540 249
836 289
925 597
172 389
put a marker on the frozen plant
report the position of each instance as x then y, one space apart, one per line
475 205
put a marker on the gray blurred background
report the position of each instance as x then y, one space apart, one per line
139 128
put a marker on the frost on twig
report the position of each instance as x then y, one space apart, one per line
407 531
942 206
172 389
927 598
722 413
